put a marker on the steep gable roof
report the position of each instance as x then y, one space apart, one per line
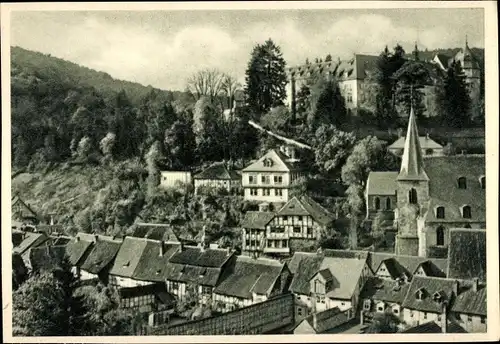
412 166
471 302
250 276
23 209
217 171
76 250
155 231
213 258
31 240
425 143
382 183
409 263
431 285
467 254
152 266
377 288
304 206
279 163
393 267
128 257
307 268
101 255
327 320
257 219
346 273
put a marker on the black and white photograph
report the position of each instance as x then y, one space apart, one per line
250 169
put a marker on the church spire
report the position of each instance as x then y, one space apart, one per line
412 166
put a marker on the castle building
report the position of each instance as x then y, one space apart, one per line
432 195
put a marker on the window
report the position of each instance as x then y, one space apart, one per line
482 180
296 229
253 192
322 299
252 179
429 151
267 162
206 290
440 212
469 318
411 313
483 320
366 305
395 311
440 236
285 218
388 204
267 192
425 315
412 196
342 303
278 179
439 317
284 244
265 179
299 311
269 243
466 212
300 218
309 231
377 203
380 308
278 192
462 183
174 286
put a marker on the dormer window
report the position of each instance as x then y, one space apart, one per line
420 294
466 212
126 264
158 272
482 181
438 297
462 183
268 162
440 212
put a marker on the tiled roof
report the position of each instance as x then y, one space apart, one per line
128 257
213 258
257 219
31 240
60 240
193 274
307 268
327 319
386 290
26 210
101 255
346 273
158 289
152 266
217 171
431 269
467 254
46 258
425 143
305 205
393 268
434 327
471 302
443 175
382 183
76 250
155 231
250 276
430 286
409 263
293 263
279 163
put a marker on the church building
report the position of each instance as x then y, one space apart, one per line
432 195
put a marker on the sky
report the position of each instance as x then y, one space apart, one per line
163 48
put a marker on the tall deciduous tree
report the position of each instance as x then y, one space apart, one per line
265 78
180 143
207 82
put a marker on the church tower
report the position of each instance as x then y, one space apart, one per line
412 195
472 70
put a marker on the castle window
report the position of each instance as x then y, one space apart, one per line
377 203
466 212
412 196
440 212
482 180
440 236
429 151
388 203
462 183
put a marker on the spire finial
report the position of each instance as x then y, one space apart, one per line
466 41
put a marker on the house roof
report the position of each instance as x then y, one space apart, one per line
193 274
386 290
471 302
443 175
304 206
158 289
213 258
393 267
382 183
425 143
128 257
31 240
250 276
155 231
327 319
278 163
346 273
76 250
467 254
24 208
430 269
409 263
46 258
293 263
434 327
326 274
60 240
100 255
257 219
152 266
307 268
430 286
217 171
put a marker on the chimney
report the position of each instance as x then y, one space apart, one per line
455 287
319 251
77 239
475 284
96 238
228 251
181 247
427 136
162 248
444 317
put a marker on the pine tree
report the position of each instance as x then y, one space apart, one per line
265 78
328 58
328 107
454 100
411 78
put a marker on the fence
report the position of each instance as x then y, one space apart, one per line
259 318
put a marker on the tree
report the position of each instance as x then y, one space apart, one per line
411 78
247 137
211 139
303 104
332 148
327 105
107 144
84 149
277 119
153 157
207 82
298 187
229 88
180 144
265 78
454 101
328 58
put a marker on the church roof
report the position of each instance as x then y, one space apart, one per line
425 143
382 183
412 166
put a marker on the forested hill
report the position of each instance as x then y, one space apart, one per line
44 66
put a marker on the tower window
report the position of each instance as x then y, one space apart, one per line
429 151
462 183
440 212
440 236
377 203
482 180
466 212
412 196
388 203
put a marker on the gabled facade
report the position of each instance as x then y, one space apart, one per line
217 176
428 146
269 178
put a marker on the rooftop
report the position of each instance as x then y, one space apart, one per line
467 254
101 255
257 219
425 143
272 161
218 171
382 183
429 286
304 206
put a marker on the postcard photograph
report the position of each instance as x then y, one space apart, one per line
285 169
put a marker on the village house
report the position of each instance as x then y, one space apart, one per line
436 327
46 258
147 298
251 281
155 231
23 214
170 179
429 146
469 308
196 271
433 195
390 266
323 322
30 240
217 176
126 261
76 251
298 223
270 178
